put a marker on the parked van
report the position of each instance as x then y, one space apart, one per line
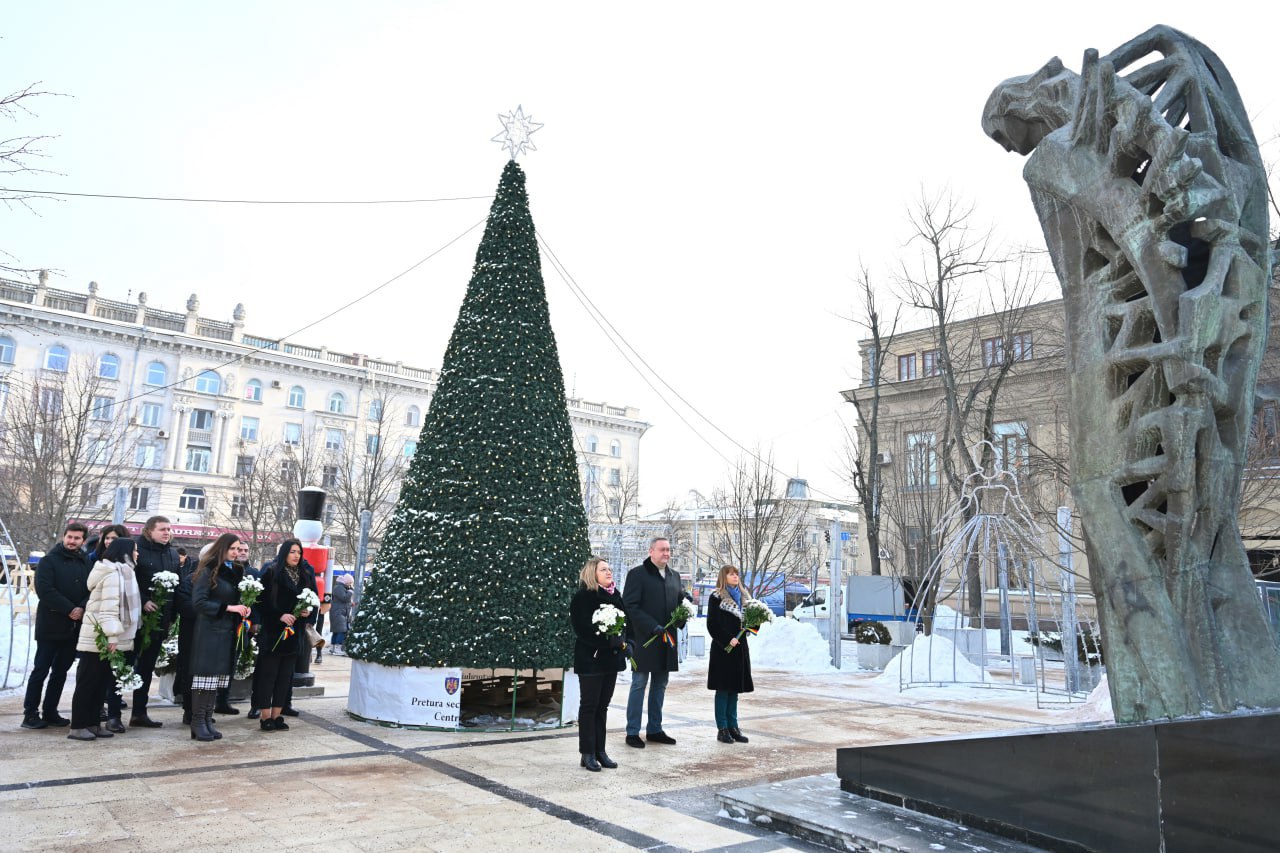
867 598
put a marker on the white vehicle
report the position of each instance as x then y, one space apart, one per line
869 598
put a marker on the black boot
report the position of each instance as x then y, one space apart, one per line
201 701
223 705
114 725
605 760
589 762
737 735
208 720
723 736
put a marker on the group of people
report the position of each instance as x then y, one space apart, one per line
93 603
651 596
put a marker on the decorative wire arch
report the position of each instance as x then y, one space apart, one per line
15 601
990 615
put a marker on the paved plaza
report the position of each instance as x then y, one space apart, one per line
335 784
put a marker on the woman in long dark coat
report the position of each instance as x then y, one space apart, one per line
340 612
597 659
728 672
215 600
278 649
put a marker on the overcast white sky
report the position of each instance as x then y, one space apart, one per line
712 174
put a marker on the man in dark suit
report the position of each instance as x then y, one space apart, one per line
62 577
651 593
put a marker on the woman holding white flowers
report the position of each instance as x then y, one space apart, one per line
729 665
115 607
598 655
283 617
215 600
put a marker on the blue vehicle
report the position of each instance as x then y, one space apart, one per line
780 600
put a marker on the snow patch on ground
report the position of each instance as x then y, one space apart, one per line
791 645
929 658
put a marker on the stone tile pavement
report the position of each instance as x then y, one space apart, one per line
335 784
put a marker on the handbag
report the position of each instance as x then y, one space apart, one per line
314 640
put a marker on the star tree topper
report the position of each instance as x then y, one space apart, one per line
516 130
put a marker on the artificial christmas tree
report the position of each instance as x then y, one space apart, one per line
481 558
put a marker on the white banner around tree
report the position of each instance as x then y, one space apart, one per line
406 695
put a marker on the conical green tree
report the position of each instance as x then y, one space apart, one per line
479 562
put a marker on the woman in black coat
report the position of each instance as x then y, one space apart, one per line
728 672
215 600
597 659
277 649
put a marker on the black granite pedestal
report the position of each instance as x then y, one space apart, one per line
1190 785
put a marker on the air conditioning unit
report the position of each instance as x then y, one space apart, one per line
884 458
133 421
275 383
162 434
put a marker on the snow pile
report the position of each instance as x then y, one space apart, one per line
1097 708
791 645
929 658
945 617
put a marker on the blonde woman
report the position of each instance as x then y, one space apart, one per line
728 672
597 659
115 606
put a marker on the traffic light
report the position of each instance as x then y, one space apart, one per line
826 536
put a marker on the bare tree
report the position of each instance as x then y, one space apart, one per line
366 473
621 497
862 453
757 528
18 152
65 445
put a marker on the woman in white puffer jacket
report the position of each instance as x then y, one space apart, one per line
116 606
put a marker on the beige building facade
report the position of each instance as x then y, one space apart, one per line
197 400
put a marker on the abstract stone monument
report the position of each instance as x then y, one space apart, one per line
1152 197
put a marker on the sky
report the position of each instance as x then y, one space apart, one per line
713 176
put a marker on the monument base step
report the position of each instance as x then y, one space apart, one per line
816 809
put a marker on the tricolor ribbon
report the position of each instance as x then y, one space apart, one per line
286 633
669 639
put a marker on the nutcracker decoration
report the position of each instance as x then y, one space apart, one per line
308 529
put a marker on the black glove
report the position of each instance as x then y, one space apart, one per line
659 630
616 642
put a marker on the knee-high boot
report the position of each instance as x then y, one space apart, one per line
201 712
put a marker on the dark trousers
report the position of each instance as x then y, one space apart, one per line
272 681
593 709
93 679
145 666
53 660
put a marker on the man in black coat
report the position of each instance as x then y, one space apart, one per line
155 555
62 577
651 594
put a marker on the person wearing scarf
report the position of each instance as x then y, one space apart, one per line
115 606
728 672
278 643
597 659
215 600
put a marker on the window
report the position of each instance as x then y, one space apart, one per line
992 352
922 461
139 497
7 349
157 374
109 367
289 470
1022 347
57 358
249 429
330 515
293 434
932 359
371 444
253 390
198 460
244 465
202 419
297 397
4 396
50 401
410 448
334 439
1012 447
413 416
1266 431
375 410
99 450
615 449
239 506
146 456
104 409
593 444
208 382
329 477
283 511
906 367
615 507
615 477
873 366
151 414
338 403
192 499
88 497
